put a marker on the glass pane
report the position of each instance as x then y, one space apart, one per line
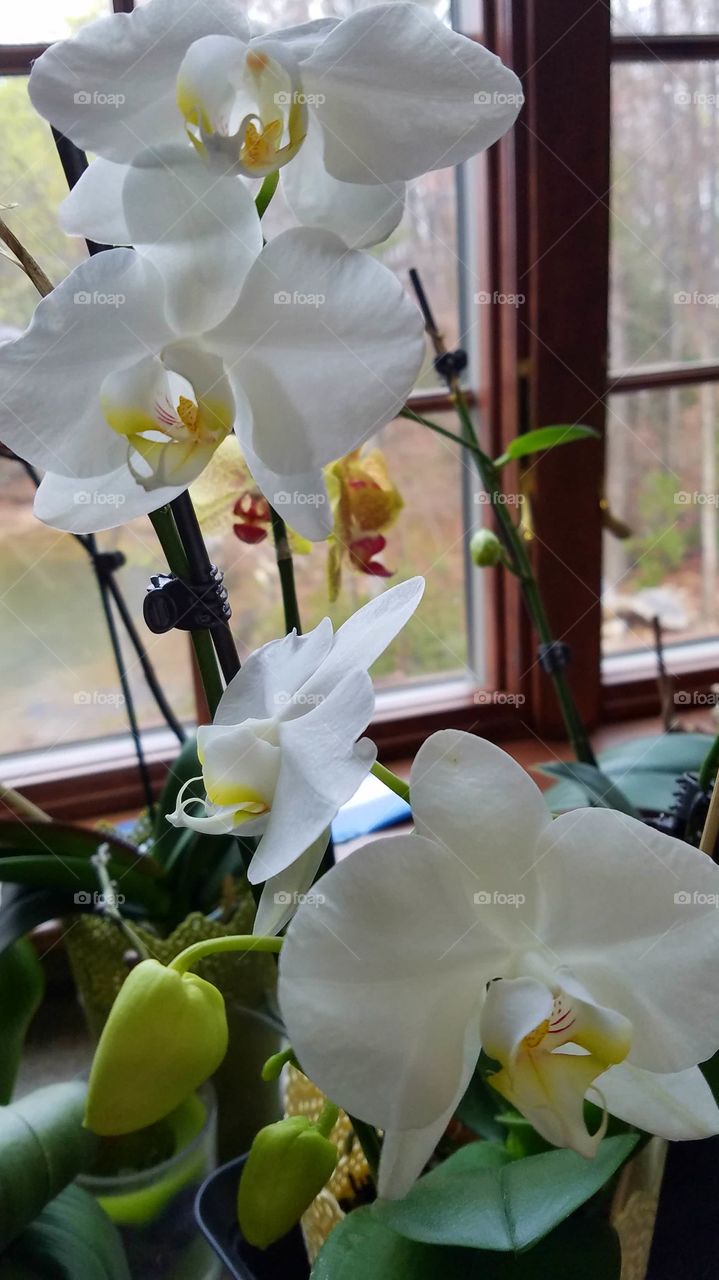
427 538
663 480
40 21
668 17
665 252
58 681
31 178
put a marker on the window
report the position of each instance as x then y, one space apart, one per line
70 670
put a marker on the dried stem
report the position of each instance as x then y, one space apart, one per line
25 260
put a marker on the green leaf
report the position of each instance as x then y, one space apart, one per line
77 875
544 438
477 1200
480 1108
23 908
71 1237
43 1147
363 1246
645 768
67 840
596 785
22 985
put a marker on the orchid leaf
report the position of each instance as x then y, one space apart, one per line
544 438
71 1237
597 788
483 1199
22 985
78 877
68 840
363 1245
24 907
645 769
43 1147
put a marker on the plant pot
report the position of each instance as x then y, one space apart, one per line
152 1207
216 1212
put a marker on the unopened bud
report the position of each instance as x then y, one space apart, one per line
166 1034
485 549
288 1165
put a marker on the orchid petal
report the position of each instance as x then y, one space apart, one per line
678 1106
403 94
367 632
380 987
361 214
94 209
638 930
293 317
111 88
324 765
272 674
406 1152
96 503
304 38
301 500
474 799
102 318
200 230
282 894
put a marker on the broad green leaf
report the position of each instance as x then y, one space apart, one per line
363 1247
78 876
544 438
478 1201
23 908
22 985
43 1147
66 840
596 786
71 1238
645 769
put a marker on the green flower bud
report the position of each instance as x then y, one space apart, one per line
166 1034
288 1165
485 549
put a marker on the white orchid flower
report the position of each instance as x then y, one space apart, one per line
577 952
282 754
349 110
122 394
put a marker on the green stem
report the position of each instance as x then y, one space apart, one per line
440 431
215 946
710 765
266 192
327 1119
369 1141
523 569
272 1069
163 523
286 571
390 779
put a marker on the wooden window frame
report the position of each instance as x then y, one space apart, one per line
542 202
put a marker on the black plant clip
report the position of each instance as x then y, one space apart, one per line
171 602
554 656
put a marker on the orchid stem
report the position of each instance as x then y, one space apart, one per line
266 192
163 522
390 779
25 261
286 571
519 562
246 942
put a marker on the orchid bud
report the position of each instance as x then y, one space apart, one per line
288 1165
485 549
166 1034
